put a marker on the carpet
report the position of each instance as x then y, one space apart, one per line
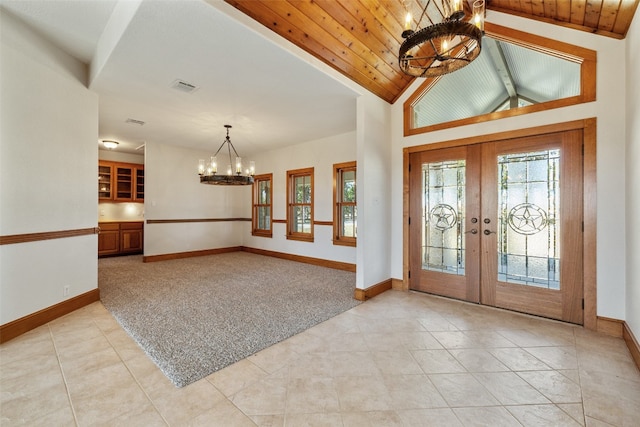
195 316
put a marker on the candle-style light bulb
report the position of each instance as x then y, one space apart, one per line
214 164
200 166
478 14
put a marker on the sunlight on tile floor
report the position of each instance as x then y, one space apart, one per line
400 359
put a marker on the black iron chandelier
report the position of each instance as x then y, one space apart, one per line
234 176
447 44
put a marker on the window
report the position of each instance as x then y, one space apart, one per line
345 211
300 204
261 215
444 102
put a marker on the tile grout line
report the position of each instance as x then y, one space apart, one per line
131 373
64 377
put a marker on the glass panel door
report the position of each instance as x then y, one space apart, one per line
532 225
442 230
500 223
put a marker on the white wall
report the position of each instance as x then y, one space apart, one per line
374 191
321 155
633 177
48 167
173 191
611 151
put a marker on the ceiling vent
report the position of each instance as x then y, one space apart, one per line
183 86
135 122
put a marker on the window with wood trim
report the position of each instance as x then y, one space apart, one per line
261 217
300 204
345 211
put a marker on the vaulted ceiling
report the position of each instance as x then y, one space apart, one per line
360 38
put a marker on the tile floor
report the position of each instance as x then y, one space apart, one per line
400 359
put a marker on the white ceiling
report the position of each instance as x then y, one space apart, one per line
271 97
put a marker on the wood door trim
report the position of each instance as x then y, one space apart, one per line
512 134
589 127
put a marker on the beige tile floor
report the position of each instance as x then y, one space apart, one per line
400 359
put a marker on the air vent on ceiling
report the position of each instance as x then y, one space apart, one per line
183 86
135 122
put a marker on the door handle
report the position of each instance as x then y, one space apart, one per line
472 231
487 232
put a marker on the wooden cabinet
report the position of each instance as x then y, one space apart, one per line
105 181
139 180
120 238
120 182
130 237
109 238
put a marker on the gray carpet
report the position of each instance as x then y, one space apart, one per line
195 316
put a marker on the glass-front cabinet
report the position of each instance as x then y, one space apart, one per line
120 182
105 181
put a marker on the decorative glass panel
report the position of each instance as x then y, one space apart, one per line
443 201
528 219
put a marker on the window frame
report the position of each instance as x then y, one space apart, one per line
291 204
255 230
338 191
587 59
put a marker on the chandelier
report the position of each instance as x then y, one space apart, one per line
446 44
209 172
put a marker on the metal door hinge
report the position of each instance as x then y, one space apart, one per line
409 274
583 303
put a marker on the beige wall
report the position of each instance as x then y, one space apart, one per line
632 109
48 165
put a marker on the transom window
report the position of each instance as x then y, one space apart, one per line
345 211
261 215
300 204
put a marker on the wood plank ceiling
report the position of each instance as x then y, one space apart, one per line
360 38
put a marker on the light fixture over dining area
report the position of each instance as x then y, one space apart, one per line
442 41
235 174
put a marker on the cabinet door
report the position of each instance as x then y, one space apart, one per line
124 183
105 181
139 179
131 237
109 239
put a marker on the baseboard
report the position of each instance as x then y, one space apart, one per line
305 259
609 326
372 291
18 327
180 255
632 343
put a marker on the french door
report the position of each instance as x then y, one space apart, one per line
500 223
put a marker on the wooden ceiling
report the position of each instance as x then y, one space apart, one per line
360 38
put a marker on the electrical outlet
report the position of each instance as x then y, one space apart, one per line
65 291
